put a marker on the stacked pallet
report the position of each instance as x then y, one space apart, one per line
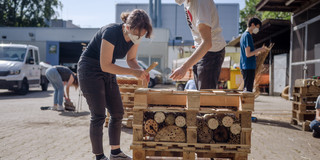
127 87
305 94
207 123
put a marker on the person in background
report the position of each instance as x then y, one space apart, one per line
248 53
60 76
203 20
315 124
97 76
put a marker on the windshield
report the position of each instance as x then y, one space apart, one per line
12 54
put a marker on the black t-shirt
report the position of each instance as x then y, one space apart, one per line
113 34
64 72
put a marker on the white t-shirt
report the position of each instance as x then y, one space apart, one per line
205 12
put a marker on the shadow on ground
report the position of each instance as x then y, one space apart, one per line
31 94
275 123
74 114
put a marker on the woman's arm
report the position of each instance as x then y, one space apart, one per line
69 83
106 64
132 57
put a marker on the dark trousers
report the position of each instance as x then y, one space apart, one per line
207 70
248 78
101 91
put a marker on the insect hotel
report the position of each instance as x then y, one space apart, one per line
190 124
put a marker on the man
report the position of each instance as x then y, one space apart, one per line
248 53
203 20
315 124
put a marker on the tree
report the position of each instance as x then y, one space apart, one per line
28 13
250 11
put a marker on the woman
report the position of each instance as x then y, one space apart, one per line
59 76
97 76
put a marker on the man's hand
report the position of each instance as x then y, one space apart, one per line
178 73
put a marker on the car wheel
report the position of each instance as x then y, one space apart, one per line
180 87
44 86
24 88
151 83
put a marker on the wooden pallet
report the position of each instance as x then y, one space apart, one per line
303 107
308 100
191 105
307 82
306 91
189 153
303 116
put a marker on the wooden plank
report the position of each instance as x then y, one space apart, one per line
193 100
245 119
245 136
192 135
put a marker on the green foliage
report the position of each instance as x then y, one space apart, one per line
28 13
250 11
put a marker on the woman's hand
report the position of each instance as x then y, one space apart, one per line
141 74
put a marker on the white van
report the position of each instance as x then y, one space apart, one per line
155 76
21 69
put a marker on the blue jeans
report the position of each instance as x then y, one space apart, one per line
313 123
55 79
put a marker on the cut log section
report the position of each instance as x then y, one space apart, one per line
221 134
235 128
151 127
170 119
159 117
204 133
171 134
213 123
227 121
180 121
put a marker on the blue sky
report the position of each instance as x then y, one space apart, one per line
97 13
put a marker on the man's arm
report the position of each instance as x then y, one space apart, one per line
206 44
318 115
255 52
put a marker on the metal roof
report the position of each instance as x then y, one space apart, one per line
284 5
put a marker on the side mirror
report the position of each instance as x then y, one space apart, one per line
30 60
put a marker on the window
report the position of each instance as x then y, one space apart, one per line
36 57
30 55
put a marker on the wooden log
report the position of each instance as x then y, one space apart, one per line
170 119
213 123
204 133
227 121
180 121
151 127
159 117
170 134
221 134
235 128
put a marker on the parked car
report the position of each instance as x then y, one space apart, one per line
155 76
21 69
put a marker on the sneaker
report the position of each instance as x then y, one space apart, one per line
60 108
54 108
120 156
104 158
